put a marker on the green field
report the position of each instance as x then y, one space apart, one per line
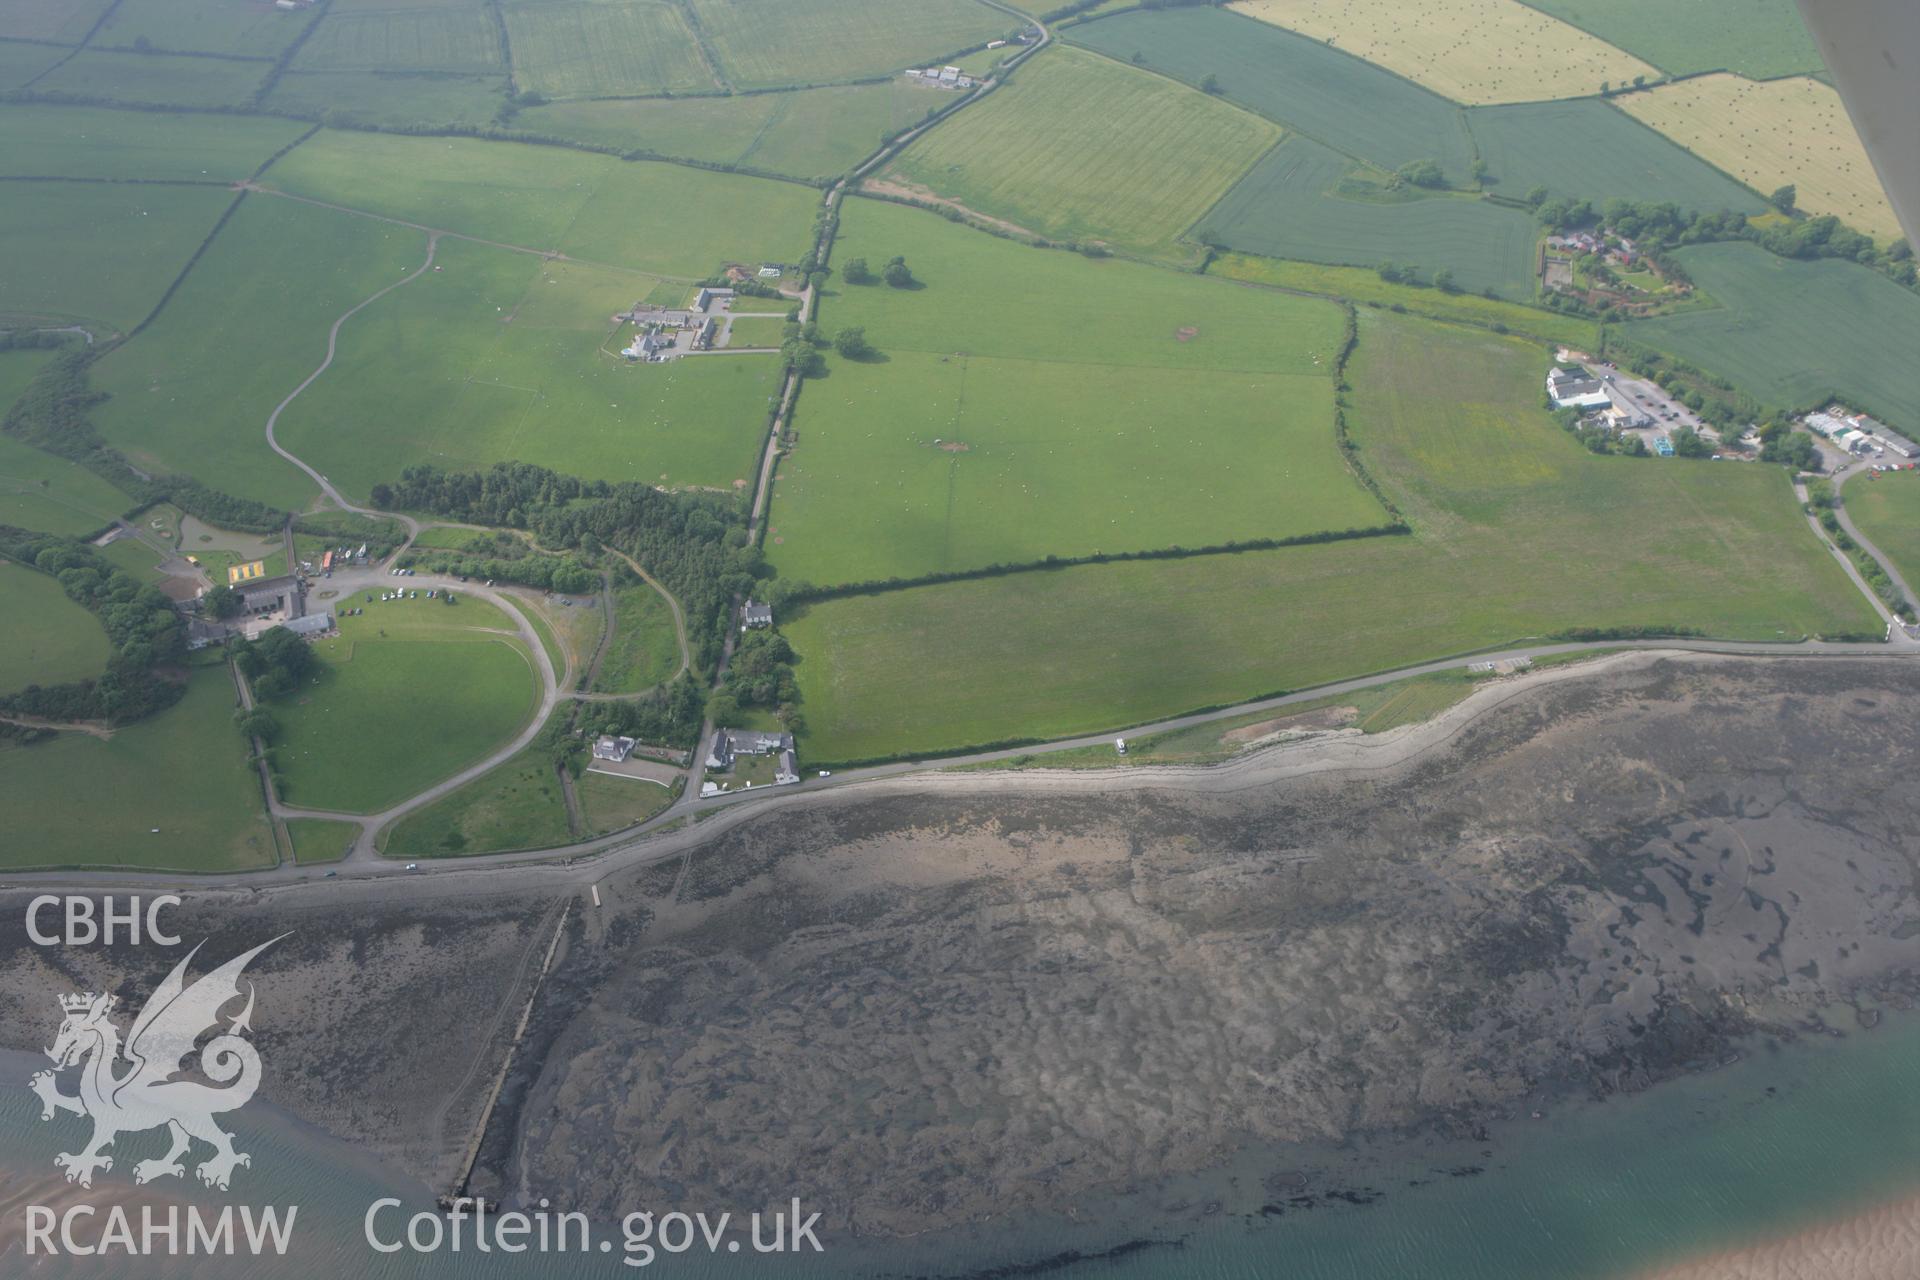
38 490
756 331
576 49
21 63
645 648
79 800
45 638
202 26
1585 149
429 38
62 20
146 79
1078 147
631 214
319 840
804 133
1759 39
518 805
1288 208
390 715
192 393
610 802
102 254
1793 333
1887 511
1316 90
403 98
1450 420
40 140
501 356
826 41
1364 286
1038 458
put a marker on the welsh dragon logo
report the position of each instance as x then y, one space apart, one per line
150 1092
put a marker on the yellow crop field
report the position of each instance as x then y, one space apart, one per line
1771 132
1473 51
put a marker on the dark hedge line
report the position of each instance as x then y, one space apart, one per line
1349 450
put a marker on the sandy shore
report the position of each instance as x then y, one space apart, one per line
1881 1244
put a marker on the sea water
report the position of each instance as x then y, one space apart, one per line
1788 1135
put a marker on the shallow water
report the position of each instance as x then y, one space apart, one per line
1789 1135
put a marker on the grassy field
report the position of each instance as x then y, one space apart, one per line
804 133
41 491
501 356
79 800
1039 458
1288 208
45 638
21 63
146 79
1450 420
192 393
202 26
1349 105
645 648
824 41
1366 287
1887 510
1767 133
63 20
568 49
629 214
39 140
756 331
610 802
1473 51
428 38
102 254
1104 312
1758 38
389 715
402 98
318 840
1794 333
1588 150
518 805
1077 146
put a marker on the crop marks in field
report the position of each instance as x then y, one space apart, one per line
1288 207
1793 333
1473 51
1078 146
575 49
1772 132
1337 99
441 38
824 41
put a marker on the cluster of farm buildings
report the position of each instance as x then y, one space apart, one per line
1858 434
944 77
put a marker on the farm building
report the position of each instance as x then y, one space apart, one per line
728 743
607 747
769 272
755 616
648 346
265 594
1624 410
1576 389
711 299
314 624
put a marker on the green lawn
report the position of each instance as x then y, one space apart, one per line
390 715
102 253
1887 511
610 802
824 41
1037 458
1796 333
41 140
1759 39
499 356
203 26
518 805
45 638
757 331
631 214
319 840
1288 208
1588 150
78 800
805 133
1364 286
151 80
1079 147
645 648
192 393
581 49
1311 87
1519 533
389 98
